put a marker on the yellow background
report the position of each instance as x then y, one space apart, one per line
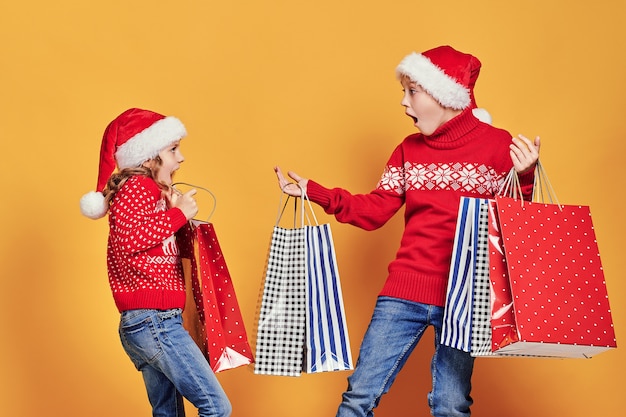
308 85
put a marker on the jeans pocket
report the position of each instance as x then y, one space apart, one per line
140 337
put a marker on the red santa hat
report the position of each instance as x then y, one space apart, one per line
132 138
448 75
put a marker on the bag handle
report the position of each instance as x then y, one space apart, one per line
511 187
305 197
201 188
284 206
303 213
542 181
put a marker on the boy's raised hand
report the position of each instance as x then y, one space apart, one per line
524 153
288 187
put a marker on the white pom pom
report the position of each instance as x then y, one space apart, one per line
482 115
92 205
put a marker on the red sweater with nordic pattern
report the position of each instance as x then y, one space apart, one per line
427 174
143 257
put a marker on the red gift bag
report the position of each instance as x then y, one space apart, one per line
224 338
503 329
560 302
212 315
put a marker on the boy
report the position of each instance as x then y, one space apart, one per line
455 154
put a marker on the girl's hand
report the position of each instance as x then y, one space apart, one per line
289 187
185 202
524 153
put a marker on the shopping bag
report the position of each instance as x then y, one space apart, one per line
503 328
492 307
478 304
467 312
457 319
282 318
301 324
481 338
557 284
212 315
328 344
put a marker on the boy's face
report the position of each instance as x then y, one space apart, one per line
426 112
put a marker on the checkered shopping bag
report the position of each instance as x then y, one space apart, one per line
481 306
280 334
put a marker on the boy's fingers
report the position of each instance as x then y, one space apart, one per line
295 176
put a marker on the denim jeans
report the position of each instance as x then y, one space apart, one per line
171 363
395 329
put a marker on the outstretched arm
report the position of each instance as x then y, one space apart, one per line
367 211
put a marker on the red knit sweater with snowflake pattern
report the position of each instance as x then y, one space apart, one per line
427 174
143 257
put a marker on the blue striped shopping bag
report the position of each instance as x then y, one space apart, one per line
328 344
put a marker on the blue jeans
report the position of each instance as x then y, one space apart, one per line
394 331
171 363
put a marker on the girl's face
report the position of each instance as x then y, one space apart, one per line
426 112
171 158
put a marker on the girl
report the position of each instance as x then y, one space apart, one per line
144 260
455 154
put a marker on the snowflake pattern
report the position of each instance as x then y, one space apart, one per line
467 177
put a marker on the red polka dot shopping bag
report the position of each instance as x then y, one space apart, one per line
212 315
554 280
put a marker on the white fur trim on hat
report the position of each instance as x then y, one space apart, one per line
149 142
92 205
435 81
